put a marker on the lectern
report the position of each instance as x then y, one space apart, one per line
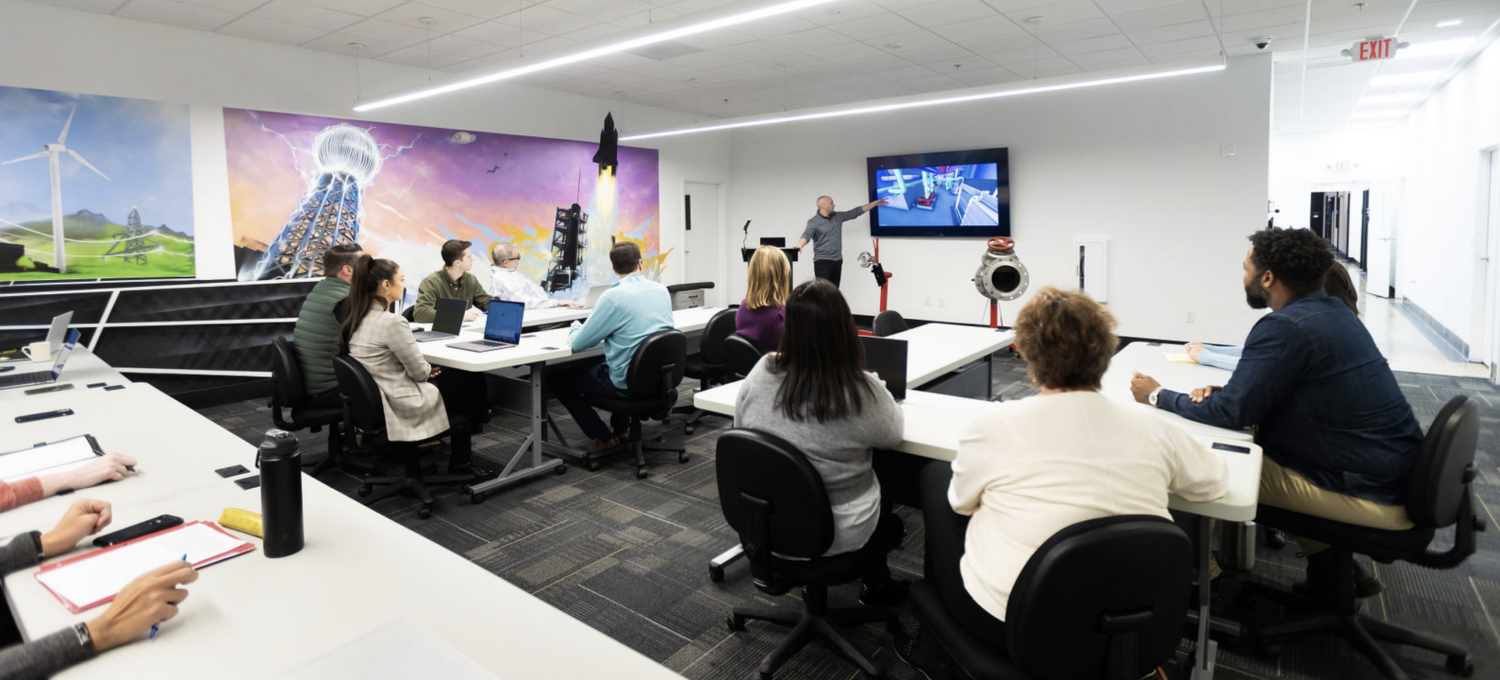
780 243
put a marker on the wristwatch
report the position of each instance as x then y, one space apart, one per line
36 538
85 640
1155 394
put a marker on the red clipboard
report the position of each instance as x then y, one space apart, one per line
75 608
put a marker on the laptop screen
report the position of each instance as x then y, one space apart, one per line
59 330
886 357
450 315
503 322
67 349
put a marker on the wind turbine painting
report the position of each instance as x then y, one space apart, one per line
93 187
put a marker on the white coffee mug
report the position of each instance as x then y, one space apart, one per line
39 351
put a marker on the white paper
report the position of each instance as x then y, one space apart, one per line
399 650
55 457
94 579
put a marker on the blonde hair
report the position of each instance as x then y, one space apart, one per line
770 278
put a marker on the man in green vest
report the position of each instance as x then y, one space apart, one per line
317 331
453 281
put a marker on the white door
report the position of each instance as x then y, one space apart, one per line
1380 270
1487 271
703 261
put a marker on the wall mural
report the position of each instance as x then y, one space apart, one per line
93 187
300 184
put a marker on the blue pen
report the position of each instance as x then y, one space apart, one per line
154 626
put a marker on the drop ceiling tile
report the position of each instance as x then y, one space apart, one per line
595 35
810 39
1095 61
100 6
1051 68
364 8
739 71
999 43
338 42
1247 6
908 41
978 28
716 39
652 16
484 9
986 76
600 10
1059 13
256 28
235 6
421 57
377 29
947 12
176 14
463 47
503 35
840 12
1021 56
1164 34
443 21
932 83
871 28
774 26
853 52
1170 15
1007 6
1119 7
753 50
303 14
1078 30
544 19
1192 47
663 70
946 55
1091 45
704 61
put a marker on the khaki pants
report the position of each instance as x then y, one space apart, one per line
1286 489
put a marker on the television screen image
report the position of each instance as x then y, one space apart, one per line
956 193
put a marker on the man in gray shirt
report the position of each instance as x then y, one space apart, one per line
826 231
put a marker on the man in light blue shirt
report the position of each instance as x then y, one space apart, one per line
628 313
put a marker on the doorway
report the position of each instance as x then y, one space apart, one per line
1486 273
702 230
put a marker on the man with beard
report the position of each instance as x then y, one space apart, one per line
1338 435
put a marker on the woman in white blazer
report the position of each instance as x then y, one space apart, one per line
415 408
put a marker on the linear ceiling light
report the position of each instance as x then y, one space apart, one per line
918 103
673 34
1450 23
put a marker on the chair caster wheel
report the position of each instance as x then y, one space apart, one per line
562 469
736 623
424 512
716 574
641 473
682 457
1461 665
592 465
687 429
476 497
365 489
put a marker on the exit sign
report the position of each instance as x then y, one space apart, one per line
1370 50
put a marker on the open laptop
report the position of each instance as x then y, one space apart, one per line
42 377
447 322
595 292
886 357
502 328
55 337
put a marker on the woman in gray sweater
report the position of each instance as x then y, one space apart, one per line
816 394
151 598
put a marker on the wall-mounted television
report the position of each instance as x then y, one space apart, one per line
952 193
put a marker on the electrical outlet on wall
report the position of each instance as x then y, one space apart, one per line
940 303
926 302
1192 317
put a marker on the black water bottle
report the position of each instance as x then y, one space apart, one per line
280 463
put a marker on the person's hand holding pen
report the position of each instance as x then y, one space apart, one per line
151 598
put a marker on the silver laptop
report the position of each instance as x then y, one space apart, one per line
502 328
595 292
55 335
42 377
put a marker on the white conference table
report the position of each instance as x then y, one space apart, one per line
934 349
83 369
933 423
1150 359
534 351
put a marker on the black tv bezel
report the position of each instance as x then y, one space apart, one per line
999 156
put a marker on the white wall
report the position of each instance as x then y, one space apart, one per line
1300 165
59 49
1138 163
1436 218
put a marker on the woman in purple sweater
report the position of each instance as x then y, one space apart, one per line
763 312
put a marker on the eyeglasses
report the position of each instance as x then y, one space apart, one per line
509 259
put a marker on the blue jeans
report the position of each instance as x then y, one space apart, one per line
570 383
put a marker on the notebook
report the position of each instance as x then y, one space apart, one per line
502 328
886 358
446 323
48 458
96 577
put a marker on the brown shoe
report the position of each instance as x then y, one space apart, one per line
603 445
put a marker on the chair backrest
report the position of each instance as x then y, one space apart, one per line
363 408
741 354
408 312
888 322
773 497
286 375
1440 474
711 345
1105 597
656 368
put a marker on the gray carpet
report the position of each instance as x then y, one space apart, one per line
630 557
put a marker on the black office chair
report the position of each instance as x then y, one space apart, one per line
1439 495
1104 598
290 410
889 322
364 413
775 499
741 354
408 312
709 364
652 379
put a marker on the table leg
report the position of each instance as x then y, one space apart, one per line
1206 649
534 444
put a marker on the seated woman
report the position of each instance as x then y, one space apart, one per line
150 598
1026 469
816 394
111 467
762 314
1336 283
416 406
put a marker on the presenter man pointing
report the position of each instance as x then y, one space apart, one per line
826 231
